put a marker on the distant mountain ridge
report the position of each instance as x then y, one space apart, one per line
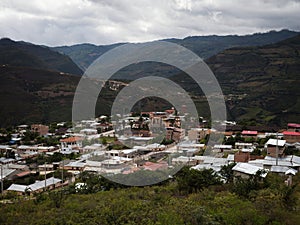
207 46
204 46
260 83
23 54
84 54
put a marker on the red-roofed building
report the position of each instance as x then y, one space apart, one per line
249 134
155 166
132 170
71 139
71 143
23 174
294 127
291 136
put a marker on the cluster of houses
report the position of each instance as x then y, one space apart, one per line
276 160
184 147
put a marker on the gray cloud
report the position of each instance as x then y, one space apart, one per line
56 22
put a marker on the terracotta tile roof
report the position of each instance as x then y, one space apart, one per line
295 125
22 174
71 139
291 133
154 166
249 132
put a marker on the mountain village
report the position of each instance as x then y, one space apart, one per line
37 157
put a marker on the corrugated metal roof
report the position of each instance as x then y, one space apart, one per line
128 151
76 164
17 166
33 187
279 169
6 172
24 147
17 187
291 171
4 146
211 160
206 167
41 184
295 159
223 146
276 142
292 159
247 168
271 161
243 144
6 160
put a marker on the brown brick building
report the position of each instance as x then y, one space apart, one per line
40 129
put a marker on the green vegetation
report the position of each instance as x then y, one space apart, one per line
27 96
107 140
272 71
22 54
56 157
191 197
166 142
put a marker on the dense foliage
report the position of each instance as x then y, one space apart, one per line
207 201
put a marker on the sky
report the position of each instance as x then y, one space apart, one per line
67 22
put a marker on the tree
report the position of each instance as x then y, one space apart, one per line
191 180
243 187
229 141
227 172
56 157
104 141
256 151
57 198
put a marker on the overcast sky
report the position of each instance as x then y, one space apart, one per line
66 22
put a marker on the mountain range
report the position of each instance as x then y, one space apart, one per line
259 75
204 46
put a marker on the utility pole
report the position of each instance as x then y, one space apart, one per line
45 175
62 174
276 148
2 180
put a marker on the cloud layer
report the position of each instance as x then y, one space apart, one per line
56 22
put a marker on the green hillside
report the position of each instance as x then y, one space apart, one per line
30 95
192 198
35 96
267 78
25 54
